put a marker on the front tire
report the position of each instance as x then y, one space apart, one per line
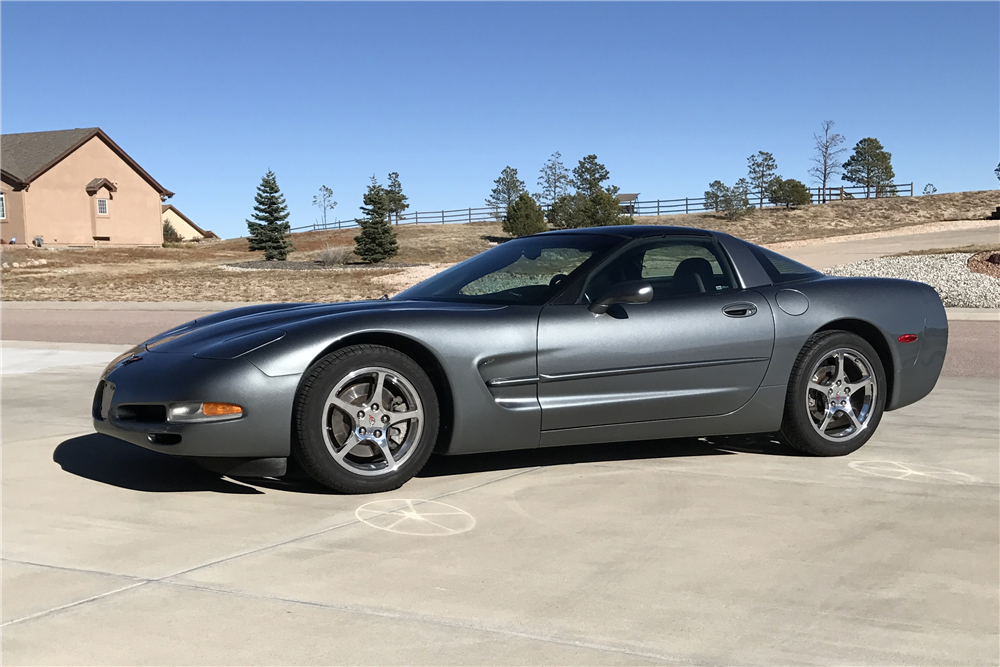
836 395
366 419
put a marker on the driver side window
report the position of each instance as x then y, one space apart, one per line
675 267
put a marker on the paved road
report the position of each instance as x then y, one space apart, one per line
825 255
721 551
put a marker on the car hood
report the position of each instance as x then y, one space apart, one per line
236 332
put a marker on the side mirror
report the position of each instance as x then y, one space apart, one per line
633 291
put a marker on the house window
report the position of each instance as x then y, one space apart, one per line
3 207
102 207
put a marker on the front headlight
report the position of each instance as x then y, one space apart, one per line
190 412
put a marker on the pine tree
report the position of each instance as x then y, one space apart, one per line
170 234
508 188
592 205
377 240
589 174
713 196
524 217
871 166
553 179
397 200
270 221
789 192
762 168
735 201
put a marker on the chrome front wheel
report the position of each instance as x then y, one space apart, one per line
366 419
372 419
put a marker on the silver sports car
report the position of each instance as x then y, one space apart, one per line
600 335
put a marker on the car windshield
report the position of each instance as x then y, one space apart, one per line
524 271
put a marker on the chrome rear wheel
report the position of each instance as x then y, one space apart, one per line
841 394
836 395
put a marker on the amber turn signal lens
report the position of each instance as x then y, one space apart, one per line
220 409
905 338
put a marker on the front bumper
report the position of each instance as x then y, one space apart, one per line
146 381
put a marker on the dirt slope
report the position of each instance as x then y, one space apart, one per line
195 272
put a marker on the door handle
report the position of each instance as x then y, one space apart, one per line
740 310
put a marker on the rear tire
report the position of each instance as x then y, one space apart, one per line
365 419
836 395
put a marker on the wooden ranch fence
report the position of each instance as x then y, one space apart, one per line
639 208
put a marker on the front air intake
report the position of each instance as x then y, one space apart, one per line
140 414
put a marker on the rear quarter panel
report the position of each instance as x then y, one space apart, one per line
886 306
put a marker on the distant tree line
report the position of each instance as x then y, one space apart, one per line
383 206
565 200
582 197
869 166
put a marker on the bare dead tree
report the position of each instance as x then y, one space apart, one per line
827 160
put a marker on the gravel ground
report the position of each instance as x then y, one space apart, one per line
948 274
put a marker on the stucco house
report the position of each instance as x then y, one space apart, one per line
76 188
185 228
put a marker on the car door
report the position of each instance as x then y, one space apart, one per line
699 348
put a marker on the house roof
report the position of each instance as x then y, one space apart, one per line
165 207
626 198
26 156
98 183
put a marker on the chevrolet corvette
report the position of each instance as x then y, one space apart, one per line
598 335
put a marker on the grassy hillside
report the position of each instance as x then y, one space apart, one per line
194 272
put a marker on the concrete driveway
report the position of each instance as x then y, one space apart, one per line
728 550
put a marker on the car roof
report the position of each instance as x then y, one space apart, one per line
634 231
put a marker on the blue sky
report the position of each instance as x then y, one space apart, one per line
670 96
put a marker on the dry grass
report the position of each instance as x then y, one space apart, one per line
840 218
193 272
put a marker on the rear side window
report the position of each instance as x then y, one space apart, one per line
781 269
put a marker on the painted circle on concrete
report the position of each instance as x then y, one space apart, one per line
415 517
913 472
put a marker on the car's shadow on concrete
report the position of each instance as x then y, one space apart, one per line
440 466
110 461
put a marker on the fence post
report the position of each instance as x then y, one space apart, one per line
686 205
442 217
416 218
657 208
470 214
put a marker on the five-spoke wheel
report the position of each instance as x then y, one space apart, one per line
366 419
373 417
835 398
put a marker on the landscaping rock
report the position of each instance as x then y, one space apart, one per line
949 275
